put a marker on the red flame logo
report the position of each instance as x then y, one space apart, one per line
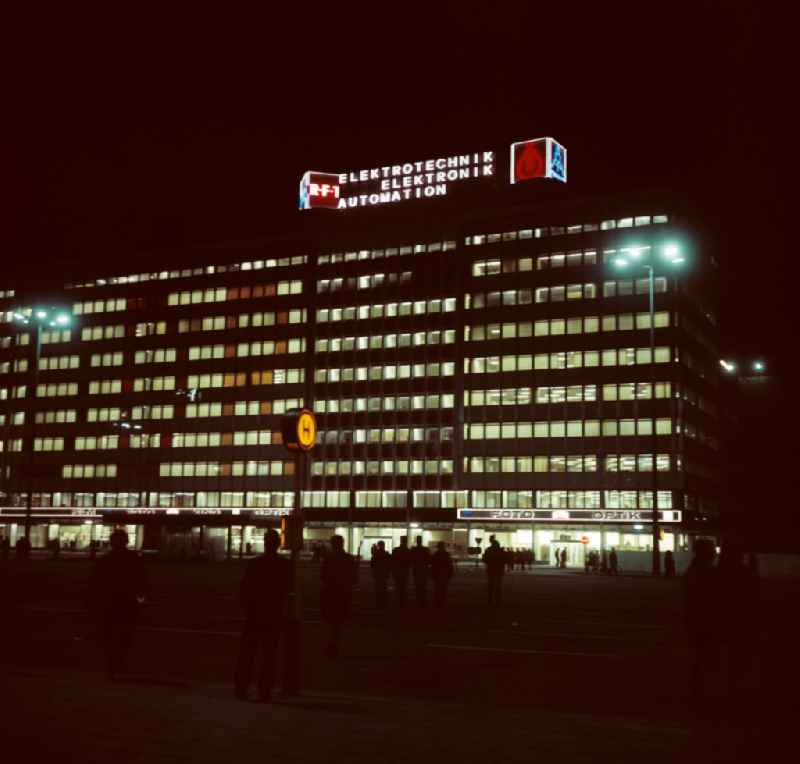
529 163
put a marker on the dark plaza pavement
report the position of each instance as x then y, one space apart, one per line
571 666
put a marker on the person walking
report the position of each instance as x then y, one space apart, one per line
264 596
5 548
564 557
700 606
441 572
401 563
420 570
381 566
117 588
494 559
557 558
613 562
669 564
338 576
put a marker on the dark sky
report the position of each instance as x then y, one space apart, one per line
127 134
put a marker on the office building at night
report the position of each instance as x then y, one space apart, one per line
480 361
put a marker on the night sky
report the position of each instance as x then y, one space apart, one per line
126 135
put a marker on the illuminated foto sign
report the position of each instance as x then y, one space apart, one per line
393 183
569 515
538 158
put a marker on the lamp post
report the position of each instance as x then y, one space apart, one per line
643 258
37 318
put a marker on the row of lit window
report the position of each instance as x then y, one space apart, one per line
569 359
242 408
560 293
246 349
569 463
100 306
385 403
111 331
523 264
367 281
19 364
265 377
386 435
242 321
387 310
112 359
381 341
570 499
558 326
234 438
155 355
57 416
55 335
477 240
272 467
523 396
221 294
201 499
249 265
89 471
377 254
383 467
60 362
391 371
53 390
573 428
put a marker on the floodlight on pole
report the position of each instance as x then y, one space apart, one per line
728 366
758 366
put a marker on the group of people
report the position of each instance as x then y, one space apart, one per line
416 563
719 603
594 562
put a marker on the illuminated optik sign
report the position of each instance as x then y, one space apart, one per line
538 158
400 182
319 189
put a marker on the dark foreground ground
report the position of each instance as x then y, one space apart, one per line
572 668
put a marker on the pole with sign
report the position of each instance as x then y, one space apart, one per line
299 430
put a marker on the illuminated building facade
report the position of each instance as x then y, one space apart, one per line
483 370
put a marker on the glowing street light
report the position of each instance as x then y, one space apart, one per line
729 366
758 366
38 318
643 256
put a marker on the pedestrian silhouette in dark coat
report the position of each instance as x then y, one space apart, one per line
494 558
401 564
669 564
5 547
441 572
23 548
557 558
117 588
420 570
613 563
338 576
564 557
700 596
264 595
739 618
381 566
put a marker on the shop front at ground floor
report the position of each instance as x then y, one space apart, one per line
191 538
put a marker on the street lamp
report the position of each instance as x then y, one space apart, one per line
645 257
38 318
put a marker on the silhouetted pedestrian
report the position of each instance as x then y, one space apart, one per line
701 592
117 588
5 548
264 595
22 548
401 564
495 560
669 564
441 572
613 562
557 558
338 575
381 566
564 557
739 617
420 569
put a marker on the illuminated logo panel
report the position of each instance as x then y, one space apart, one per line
569 515
319 189
538 158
